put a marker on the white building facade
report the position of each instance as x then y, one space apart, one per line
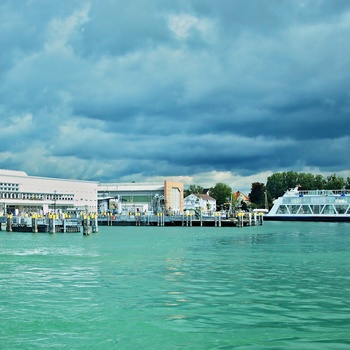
20 193
23 194
200 202
151 198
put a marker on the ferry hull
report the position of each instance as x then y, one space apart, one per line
315 218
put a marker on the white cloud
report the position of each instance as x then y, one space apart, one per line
182 25
61 29
17 124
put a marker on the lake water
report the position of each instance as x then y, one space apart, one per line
277 286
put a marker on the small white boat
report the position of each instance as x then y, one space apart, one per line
312 205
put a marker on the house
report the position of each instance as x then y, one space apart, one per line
238 198
200 201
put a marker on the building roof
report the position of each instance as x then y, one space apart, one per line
205 197
12 172
240 194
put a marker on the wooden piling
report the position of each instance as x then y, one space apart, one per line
261 218
9 223
52 223
94 223
86 225
34 224
138 219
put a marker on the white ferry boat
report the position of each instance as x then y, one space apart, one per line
312 205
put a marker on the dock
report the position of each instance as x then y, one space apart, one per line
187 220
51 223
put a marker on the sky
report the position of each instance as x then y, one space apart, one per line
197 91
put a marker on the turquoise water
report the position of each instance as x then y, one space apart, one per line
277 286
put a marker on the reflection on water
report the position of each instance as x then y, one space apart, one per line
282 286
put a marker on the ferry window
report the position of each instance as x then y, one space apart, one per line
341 209
294 209
305 209
282 210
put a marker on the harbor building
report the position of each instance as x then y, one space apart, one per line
22 194
151 198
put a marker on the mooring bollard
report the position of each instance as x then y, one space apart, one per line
34 224
94 223
86 225
261 218
9 223
52 223
240 220
64 221
138 219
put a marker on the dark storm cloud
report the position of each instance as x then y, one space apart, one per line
116 89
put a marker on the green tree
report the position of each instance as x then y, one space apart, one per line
222 193
276 185
306 181
291 179
335 182
319 183
193 189
347 185
257 194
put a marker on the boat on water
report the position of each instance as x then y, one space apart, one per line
311 205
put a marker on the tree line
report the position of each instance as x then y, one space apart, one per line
277 184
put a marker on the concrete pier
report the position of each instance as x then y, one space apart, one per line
188 219
89 223
51 223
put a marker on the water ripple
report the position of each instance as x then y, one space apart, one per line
281 286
